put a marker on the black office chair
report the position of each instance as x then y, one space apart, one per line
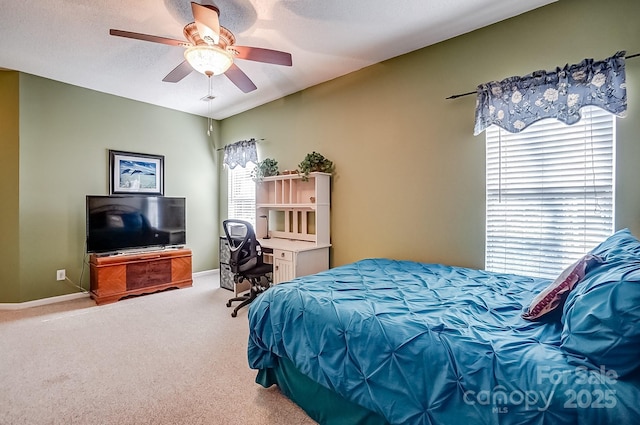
246 261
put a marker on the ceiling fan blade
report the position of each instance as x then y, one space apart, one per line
262 55
207 21
178 73
147 37
240 79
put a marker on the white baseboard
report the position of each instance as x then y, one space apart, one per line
206 273
69 297
43 301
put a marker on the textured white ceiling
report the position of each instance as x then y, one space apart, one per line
69 41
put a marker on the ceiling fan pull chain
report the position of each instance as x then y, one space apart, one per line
210 107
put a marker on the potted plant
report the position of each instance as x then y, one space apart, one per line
315 161
265 168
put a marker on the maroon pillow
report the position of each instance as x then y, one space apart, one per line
553 296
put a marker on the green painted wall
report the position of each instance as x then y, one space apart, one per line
65 134
410 174
9 166
410 179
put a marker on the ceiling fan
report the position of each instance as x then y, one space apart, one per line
211 49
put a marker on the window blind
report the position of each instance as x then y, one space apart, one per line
242 194
550 193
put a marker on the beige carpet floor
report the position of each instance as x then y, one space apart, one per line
174 357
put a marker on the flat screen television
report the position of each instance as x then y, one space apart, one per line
129 222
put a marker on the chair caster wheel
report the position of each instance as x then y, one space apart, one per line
234 314
228 303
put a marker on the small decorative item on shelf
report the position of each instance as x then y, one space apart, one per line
315 162
265 168
266 217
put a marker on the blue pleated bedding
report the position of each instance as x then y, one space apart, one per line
433 344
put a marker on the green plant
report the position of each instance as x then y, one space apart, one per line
315 161
265 168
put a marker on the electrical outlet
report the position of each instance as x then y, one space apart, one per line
61 274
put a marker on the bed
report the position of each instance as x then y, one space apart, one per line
384 341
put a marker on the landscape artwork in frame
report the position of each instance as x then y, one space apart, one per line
135 173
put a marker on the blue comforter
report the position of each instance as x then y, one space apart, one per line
433 344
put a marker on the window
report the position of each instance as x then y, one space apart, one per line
242 194
549 193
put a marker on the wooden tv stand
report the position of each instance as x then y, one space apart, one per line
116 276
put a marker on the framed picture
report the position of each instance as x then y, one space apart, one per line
135 173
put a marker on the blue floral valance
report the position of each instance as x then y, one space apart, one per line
517 102
240 153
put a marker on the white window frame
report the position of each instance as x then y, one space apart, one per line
550 193
241 194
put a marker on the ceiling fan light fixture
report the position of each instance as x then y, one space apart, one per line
208 60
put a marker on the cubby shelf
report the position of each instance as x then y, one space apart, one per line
297 208
290 206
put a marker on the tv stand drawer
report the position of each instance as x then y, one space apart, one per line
148 273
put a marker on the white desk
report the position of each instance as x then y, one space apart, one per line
293 258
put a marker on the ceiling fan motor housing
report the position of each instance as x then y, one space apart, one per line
191 33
